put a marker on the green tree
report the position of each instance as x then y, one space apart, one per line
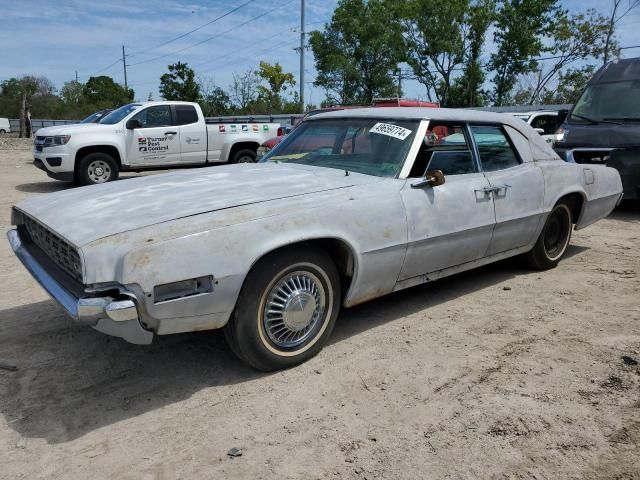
277 83
72 93
179 83
358 52
435 42
521 26
103 92
467 89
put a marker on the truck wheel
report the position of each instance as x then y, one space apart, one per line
97 168
2 131
553 240
244 156
286 310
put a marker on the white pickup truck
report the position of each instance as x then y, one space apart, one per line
143 136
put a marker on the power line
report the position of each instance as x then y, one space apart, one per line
214 36
226 14
106 68
288 30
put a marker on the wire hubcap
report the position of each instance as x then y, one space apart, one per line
294 309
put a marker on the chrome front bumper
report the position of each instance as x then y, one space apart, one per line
107 315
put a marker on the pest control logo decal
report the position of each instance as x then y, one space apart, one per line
254 128
265 128
152 144
245 128
221 128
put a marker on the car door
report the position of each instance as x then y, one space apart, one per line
192 133
516 182
157 142
450 224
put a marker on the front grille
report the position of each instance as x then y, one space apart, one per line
61 252
38 148
591 157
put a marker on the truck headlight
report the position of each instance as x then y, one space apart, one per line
56 140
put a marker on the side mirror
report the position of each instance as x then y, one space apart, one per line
539 130
562 116
433 178
133 124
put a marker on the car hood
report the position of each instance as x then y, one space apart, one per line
74 128
603 135
83 215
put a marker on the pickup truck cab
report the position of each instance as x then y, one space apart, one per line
544 122
141 136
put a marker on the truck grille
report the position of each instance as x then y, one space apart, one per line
57 249
591 157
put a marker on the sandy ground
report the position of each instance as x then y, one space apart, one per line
498 373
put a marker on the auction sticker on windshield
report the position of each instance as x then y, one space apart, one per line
391 130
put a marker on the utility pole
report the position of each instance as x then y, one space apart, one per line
124 66
302 41
399 82
76 76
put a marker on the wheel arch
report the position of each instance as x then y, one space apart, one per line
241 145
110 150
339 250
576 201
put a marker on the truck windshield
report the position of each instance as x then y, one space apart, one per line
118 114
370 146
608 101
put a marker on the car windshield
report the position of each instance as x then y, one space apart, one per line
608 101
94 117
118 114
370 146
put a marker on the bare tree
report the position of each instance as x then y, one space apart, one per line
574 38
618 12
244 88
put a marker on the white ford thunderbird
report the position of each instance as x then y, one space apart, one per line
352 205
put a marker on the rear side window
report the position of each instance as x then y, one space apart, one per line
186 114
495 149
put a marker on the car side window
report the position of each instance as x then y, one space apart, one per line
495 150
156 116
446 148
186 114
548 123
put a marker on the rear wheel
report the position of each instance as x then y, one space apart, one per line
97 168
2 131
554 238
244 156
286 310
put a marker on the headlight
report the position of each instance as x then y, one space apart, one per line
56 140
262 150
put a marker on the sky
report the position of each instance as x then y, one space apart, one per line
58 38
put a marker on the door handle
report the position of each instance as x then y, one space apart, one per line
170 133
501 187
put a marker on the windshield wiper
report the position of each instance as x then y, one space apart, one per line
625 119
592 121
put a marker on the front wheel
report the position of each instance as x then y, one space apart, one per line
286 310
553 240
97 168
